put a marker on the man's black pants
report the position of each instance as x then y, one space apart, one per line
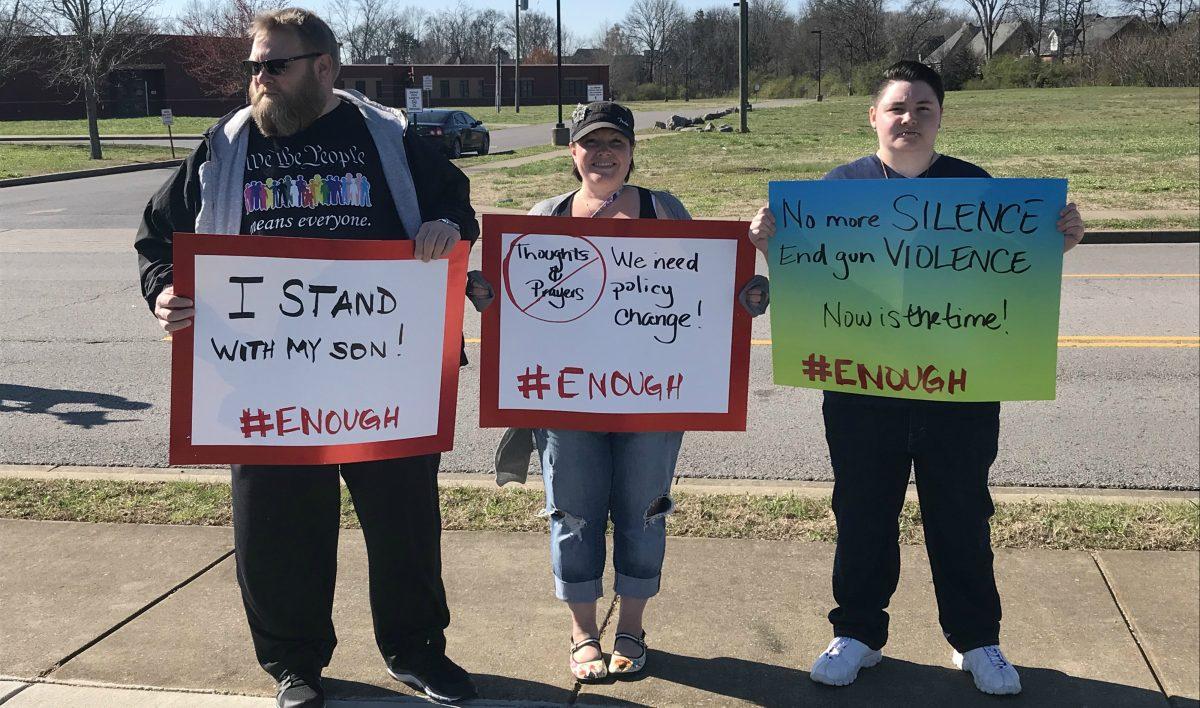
286 520
873 444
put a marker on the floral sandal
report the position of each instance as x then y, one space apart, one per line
621 665
592 670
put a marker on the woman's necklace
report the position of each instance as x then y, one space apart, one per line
608 202
884 167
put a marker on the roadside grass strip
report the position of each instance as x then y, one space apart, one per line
109 127
1060 525
27 160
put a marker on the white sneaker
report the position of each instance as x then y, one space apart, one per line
991 671
838 665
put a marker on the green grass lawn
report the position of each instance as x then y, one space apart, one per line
26 160
149 125
1120 147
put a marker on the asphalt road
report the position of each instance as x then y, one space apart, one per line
84 368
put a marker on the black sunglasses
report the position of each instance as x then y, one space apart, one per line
274 67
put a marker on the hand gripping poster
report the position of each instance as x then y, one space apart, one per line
615 325
936 289
314 351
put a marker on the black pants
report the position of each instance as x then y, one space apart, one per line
286 520
873 445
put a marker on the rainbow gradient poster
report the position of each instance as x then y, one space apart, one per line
935 289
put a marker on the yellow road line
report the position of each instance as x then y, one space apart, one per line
1089 276
1129 345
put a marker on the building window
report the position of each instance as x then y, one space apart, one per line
526 88
361 87
378 89
464 88
444 88
575 88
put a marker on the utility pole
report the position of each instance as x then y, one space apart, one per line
520 5
744 60
499 76
819 96
560 135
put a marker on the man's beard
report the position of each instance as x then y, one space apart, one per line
285 114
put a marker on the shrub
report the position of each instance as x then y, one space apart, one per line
647 92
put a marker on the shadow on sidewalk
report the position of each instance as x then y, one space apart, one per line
490 687
893 683
28 399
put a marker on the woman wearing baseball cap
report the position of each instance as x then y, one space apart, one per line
592 476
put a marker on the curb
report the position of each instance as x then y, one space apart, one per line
80 174
103 138
694 485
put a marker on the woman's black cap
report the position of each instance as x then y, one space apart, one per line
601 114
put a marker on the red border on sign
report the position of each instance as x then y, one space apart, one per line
490 413
188 246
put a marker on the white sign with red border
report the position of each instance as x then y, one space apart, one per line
314 351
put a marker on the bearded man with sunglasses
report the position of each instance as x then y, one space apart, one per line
299 130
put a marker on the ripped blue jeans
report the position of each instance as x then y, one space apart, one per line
592 476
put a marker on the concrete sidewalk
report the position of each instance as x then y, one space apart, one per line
127 615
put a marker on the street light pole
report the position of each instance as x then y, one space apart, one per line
517 60
560 135
819 96
744 61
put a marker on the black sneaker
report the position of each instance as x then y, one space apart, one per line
296 692
437 677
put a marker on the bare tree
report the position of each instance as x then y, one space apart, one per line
447 35
1036 15
1156 13
853 31
650 24
364 27
772 32
989 14
87 39
16 50
485 32
217 42
916 22
407 30
537 33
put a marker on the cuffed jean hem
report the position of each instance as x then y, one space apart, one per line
640 588
586 591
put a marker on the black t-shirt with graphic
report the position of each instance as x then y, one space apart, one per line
323 182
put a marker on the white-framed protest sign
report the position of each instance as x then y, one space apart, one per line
615 324
314 351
